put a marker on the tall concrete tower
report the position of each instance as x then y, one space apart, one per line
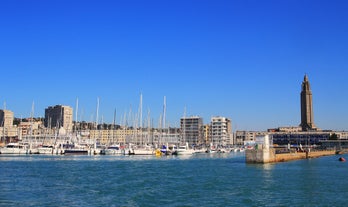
307 121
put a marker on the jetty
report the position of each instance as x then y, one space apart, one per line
264 153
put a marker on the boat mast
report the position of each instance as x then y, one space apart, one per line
184 127
97 116
141 112
77 108
96 123
141 118
113 127
164 112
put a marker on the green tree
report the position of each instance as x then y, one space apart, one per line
333 136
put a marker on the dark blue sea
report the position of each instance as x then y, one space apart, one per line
197 180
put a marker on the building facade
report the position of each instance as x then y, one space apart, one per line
206 134
134 136
59 116
192 130
307 121
221 130
247 137
6 118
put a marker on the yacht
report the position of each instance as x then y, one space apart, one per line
112 150
185 150
144 150
45 149
14 148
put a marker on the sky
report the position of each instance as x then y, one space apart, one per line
241 59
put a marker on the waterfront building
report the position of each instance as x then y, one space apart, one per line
247 137
7 130
29 127
340 144
121 136
135 136
6 118
340 134
59 116
307 121
300 138
206 134
8 134
221 129
192 130
286 129
170 138
295 139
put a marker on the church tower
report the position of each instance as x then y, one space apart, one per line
307 122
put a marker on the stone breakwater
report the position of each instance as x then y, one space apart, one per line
269 155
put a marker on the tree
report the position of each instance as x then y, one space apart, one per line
333 137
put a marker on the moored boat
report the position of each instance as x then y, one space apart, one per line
76 151
112 150
45 149
185 150
14 148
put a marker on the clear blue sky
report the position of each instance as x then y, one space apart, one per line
241 59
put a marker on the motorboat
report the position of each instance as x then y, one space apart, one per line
185 150
45 149
144 150
113 150
72 149
14 148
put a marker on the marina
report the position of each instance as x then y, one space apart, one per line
173 103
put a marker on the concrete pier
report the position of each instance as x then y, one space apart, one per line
263 153
264 156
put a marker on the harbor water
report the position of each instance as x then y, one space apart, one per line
197 180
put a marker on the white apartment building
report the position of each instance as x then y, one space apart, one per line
221 131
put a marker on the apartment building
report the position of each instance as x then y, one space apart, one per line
192 130
59 116
221 131
6 118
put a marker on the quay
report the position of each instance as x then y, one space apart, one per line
261 156
263 153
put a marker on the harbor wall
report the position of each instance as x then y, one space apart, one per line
269 156
264 153
260 155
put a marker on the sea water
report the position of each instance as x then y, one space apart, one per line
197 180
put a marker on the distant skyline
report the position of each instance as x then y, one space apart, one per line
244 60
